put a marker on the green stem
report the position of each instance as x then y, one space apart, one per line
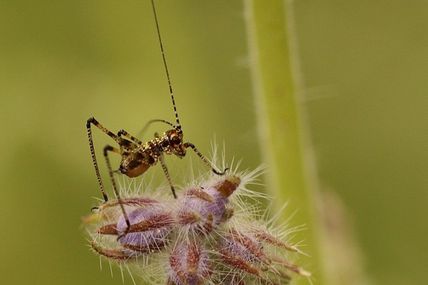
280 123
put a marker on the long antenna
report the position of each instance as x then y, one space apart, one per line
171 92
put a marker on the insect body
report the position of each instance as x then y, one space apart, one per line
137 156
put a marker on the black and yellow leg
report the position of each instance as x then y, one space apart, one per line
89 122
129 136
107 149
204 159
165 170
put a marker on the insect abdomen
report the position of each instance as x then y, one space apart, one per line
137 171
135 164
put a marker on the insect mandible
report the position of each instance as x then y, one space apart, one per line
137 156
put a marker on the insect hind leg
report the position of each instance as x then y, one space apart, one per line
89 122
129 136
92 121
107 149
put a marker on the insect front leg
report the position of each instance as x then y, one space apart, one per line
107 149
165 170
89 122
204 159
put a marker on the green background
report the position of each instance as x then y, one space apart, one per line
364 66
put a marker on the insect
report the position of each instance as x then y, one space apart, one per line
137 156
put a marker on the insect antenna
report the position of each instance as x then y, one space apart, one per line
168 77
171 92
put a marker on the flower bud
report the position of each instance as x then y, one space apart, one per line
188 264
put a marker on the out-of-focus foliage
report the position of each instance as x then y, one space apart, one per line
365 70
364 65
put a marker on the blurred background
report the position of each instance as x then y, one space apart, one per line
364 67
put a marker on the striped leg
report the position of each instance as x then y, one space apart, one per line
89 122
165 170
107 149
93 121
129 136
204 159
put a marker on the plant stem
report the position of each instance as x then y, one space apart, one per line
280 122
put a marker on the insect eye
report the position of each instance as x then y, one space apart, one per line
175 140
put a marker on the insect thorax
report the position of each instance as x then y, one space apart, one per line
137 159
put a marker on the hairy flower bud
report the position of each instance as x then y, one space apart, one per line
209 235
204 209
150 227
189 264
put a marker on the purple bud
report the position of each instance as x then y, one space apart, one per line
242 252
189 265
150 227
204 209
